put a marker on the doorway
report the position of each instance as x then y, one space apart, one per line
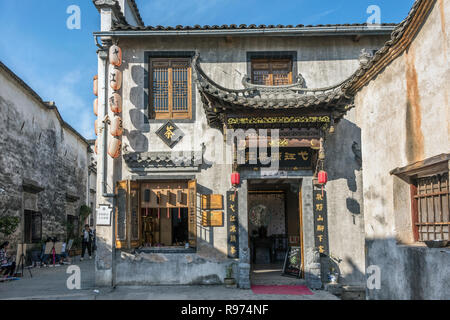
274 213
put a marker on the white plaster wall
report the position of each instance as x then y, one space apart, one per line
393 135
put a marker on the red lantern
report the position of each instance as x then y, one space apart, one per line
115 55
96 107
116 126
235 179
115 79
95 89
114 148
96 127
115 103
322 179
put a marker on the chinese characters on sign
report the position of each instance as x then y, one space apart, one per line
233 224
104 215
170 134
292 158
320 222
235 121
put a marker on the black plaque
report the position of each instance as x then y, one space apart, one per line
321 222
292 158
293 262
232 225
170 134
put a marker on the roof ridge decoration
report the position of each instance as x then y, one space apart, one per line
115 6
401 38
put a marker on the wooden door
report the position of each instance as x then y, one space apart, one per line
192 206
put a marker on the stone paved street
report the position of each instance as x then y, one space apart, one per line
50 284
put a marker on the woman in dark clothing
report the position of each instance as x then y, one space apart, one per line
86 242
5 263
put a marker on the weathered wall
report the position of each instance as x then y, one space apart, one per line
322 62
34 145
405 117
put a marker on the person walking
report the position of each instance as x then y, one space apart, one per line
5 261
86 242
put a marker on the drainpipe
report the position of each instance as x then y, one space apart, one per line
103 54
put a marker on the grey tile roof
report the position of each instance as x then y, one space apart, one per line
121 26
136 11
171 159
258 97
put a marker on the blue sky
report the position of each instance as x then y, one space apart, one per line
59 63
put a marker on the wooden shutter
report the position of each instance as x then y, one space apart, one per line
272 72
192 205
171 88
160 89
121 215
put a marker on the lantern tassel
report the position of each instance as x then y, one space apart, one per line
168 213
179 213
158 213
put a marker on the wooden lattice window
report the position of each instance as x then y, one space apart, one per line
170 88
431 208
272 72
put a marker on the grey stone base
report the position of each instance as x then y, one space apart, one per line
244 276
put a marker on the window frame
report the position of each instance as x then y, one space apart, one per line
270 62
437 165
418 220
276 55
148 118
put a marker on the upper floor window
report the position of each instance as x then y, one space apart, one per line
170 88
431 208
271 71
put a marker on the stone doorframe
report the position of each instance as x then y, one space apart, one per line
311 257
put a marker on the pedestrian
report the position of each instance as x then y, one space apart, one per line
5 261
86 242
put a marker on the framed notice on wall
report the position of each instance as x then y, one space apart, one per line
104 215
212 201
212 218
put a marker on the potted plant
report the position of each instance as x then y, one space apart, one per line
229 281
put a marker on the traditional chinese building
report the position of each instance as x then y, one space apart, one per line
194 101
47 168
